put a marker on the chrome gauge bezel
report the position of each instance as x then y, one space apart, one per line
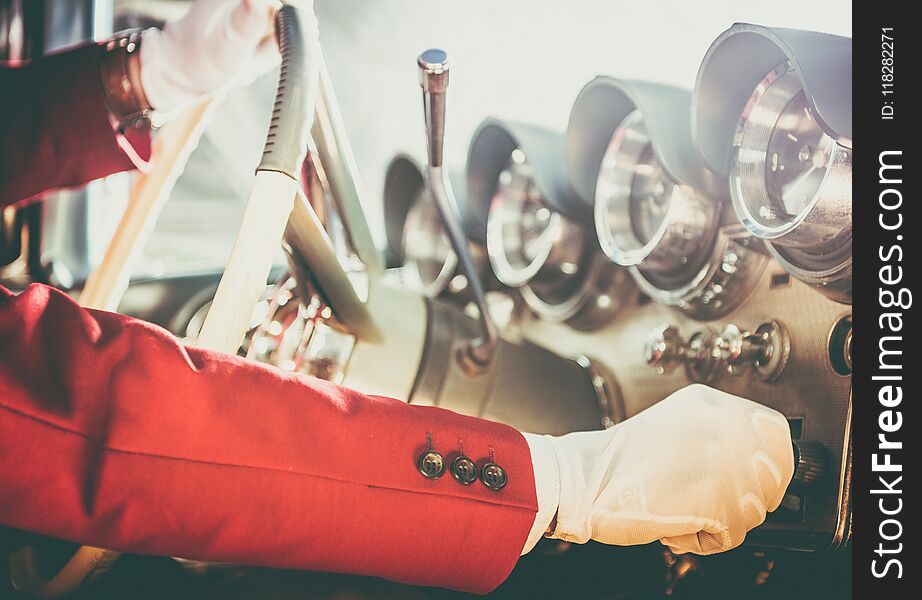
824 223
560 243
813 245
718 287
599 293
686 233
423 220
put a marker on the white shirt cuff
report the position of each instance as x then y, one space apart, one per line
547 486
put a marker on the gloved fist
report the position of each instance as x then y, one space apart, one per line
695 471
218 44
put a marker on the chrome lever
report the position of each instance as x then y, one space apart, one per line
433 78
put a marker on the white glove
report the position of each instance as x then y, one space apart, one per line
218 44
695 471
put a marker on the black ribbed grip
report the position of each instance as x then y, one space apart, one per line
809 464
286 142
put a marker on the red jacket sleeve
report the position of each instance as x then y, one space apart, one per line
113 434
55 129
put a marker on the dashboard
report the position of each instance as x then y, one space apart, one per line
664 237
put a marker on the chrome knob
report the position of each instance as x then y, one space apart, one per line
738 349
664 349
433 77
699 361
764 351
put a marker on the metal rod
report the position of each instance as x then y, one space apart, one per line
329 135
433 78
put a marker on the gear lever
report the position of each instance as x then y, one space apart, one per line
433 77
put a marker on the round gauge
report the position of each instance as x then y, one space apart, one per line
526 240
643 217
782 161
430 261
649 200
798 153
791 184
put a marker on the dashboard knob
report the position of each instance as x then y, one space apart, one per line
738 349
765 350
433 77
664 349
809 464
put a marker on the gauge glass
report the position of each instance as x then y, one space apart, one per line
781 156
535 220
521 230
798 154
649 196
634 195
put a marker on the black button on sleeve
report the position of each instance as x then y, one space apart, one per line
464 470
431 465
493 477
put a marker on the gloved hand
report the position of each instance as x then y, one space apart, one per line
695 471
218 44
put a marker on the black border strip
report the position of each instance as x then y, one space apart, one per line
886 262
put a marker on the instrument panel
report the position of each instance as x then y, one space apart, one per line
813 390
671 236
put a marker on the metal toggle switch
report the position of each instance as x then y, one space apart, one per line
764 351
665 350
